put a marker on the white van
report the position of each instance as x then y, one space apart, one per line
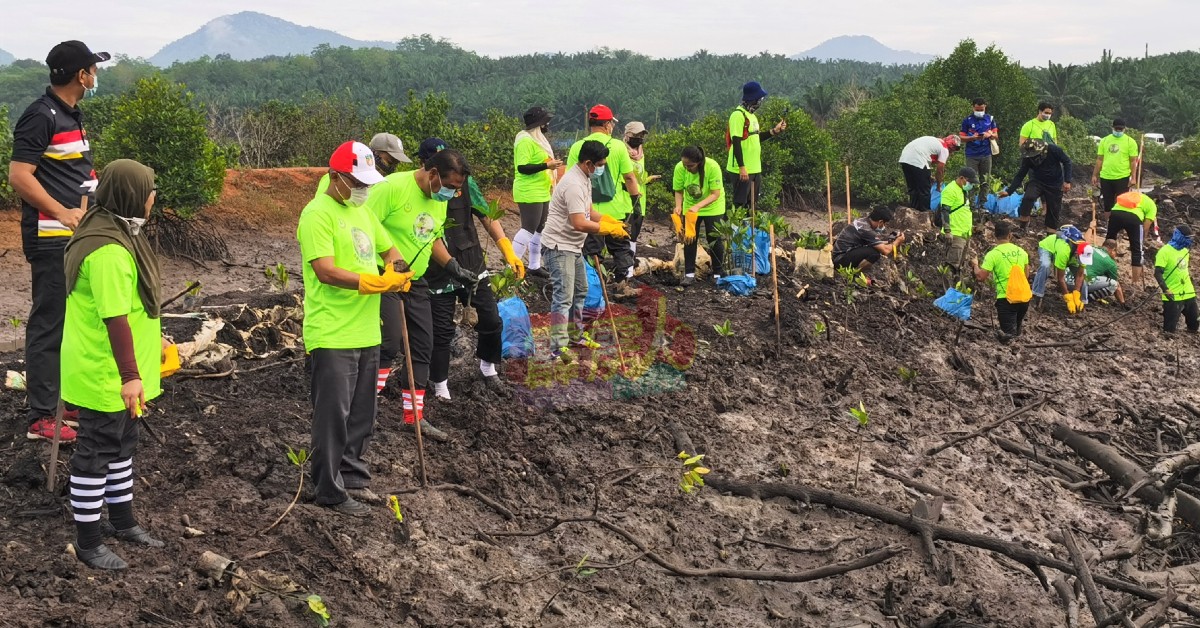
1157 138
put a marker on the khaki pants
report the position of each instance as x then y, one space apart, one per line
956 252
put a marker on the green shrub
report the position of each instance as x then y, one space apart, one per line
8 196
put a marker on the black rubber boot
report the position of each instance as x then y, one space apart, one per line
136 534
100 557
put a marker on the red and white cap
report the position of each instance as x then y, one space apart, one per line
356 160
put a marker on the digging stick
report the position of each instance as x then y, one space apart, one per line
611 317
412 391
52 469
775 286
1141 163
1094 601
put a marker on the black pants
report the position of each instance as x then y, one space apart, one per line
716 248
488 344
1051 198
919 184
1011 315
1110 189
342 389
618 248
43 332
419 320
855 257
102 473
1186 307
533 216
742 189
104 437
1121 221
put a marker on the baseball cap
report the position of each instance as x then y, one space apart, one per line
969 174
72 56
390 144
952 141
536 116
430 146
634 128
1085 254
601 113
356 160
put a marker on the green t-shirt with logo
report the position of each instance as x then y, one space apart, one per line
106 288
961 220
1116 153
1060 251
339 318
1176 274
751 145
617 166
1036 129
412 219
1103 265
530 188
694 190
1000 260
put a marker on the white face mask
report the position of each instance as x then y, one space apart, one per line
358 197
91 91
979 114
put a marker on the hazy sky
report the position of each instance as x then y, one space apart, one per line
1032 32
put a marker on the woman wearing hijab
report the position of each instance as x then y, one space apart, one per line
533 157
635 139
112 343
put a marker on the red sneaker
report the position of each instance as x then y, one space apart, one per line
43 429
70 418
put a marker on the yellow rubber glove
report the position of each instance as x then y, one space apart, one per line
689 232
389 281
614 228
675 220
510 256
170 361
609 220
1072 305
1078 301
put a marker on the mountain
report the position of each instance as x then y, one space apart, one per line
250 35
863 48
6 58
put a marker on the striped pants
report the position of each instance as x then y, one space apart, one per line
102 473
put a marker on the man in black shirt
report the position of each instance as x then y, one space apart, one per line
862 243
51 170
1050 177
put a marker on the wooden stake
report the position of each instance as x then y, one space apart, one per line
848 219
775 286
55 441
412 391
611 317
1141 164
829 200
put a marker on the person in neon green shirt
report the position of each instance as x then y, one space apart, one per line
1134 215
1116 158
536 168
998 265
619 167
1040 127
1060 251
957 212
1174 277
389 154
744 140
635 140
111 348
412 207
699 201
340 243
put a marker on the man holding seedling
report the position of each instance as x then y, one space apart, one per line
915 160
955 216
744 138
616 200
340 240
572 218
412 207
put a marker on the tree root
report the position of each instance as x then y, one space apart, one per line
1031 559
989 427
191 239
463 490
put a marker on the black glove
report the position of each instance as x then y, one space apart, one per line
466 277
637 204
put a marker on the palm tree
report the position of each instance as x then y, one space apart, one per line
821 101
1064 86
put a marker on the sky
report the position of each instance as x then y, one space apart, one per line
1065 31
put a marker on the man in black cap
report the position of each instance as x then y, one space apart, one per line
1116 158
52 171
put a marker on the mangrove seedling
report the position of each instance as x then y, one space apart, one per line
581 569
863 417
907 375
278 276
298 459
812 240
725 330
15 322
319 610
693 473
818 329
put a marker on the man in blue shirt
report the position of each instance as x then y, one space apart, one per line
978 132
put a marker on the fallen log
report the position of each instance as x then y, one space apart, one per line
1031 559
1094 601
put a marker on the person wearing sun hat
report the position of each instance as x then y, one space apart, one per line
743 139
536 171
341 242
389 152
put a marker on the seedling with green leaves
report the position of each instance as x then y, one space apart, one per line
819 328
298 459
812 240
853 279
14 322
317 606
861 415
278 276
494 210
693 473
907 375
725 330
581 570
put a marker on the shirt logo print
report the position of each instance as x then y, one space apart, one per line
423 227
362 244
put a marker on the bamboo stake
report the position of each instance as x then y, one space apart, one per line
848 219
55 441
412 391
775 285
829 200
611 317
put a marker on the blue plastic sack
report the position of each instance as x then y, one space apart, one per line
762 250
956 304
593 305
1006 206
517 333
935 197
738 285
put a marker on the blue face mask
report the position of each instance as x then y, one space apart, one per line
967 187
1118 133
1180 241
443 193
598 173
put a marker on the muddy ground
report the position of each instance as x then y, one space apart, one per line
214 460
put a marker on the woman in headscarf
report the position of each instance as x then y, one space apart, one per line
635 139
111 347
533 157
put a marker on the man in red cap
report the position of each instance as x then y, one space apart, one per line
51 170
915 160
340 240
625 194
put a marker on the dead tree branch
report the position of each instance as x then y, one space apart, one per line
989 427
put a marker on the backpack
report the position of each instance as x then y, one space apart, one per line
604 189
1017 289
745 132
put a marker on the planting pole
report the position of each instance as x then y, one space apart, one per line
412 391
1141 163
848 220
52 468
775 285
611 317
